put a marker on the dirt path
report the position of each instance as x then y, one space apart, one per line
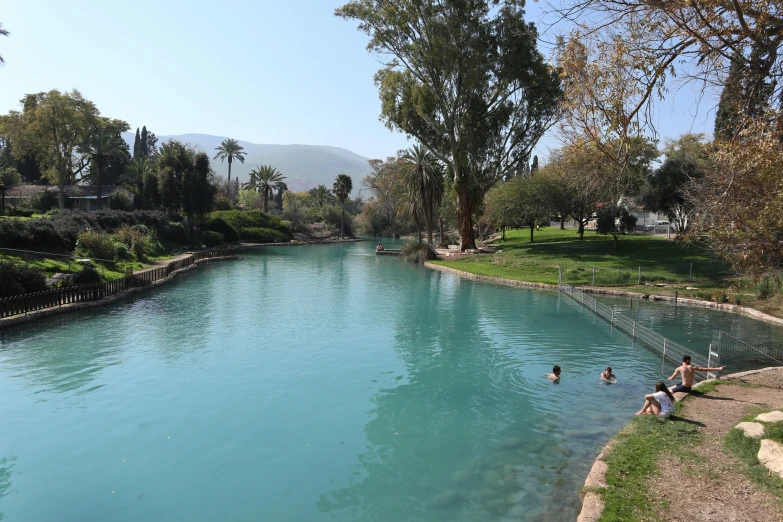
710 486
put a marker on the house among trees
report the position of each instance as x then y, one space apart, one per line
78 197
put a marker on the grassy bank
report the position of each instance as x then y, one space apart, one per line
746 449
639 264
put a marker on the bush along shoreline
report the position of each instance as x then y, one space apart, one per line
75 247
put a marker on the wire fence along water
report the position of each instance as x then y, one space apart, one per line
671 273
91 292
725 342
667 348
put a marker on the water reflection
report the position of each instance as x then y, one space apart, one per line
6 469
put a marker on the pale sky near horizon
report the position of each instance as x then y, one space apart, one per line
264 71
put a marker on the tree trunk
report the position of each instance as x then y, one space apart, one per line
100 179
467 240
581 230
229 174
532 227
562 222
443 243
503 232
61 197
342 216
266 198
429 225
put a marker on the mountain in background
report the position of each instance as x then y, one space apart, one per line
304 166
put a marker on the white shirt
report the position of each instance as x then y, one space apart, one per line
666 403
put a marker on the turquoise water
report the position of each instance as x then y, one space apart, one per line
316 383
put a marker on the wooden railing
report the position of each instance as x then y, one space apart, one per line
92 292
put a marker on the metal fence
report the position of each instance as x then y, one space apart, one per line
587 275
725 342
22 304
667 348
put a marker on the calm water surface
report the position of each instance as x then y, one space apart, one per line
319 383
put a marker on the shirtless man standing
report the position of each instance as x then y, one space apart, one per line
688 373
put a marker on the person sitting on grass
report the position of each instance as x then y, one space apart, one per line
688 373
607 375
555 375
660 403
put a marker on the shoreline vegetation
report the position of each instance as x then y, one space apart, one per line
641 266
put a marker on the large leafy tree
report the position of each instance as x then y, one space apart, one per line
687 159
230 150
320 195
422 177
148 143
174 161
198 191
101 145
138 173
343 185
466 80
518 202
265 180
50 128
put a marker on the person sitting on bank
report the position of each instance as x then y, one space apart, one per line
555 375
660 403
607 374
379 247
688 372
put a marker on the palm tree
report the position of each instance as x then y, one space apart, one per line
265 179
99 146
3 32
423 180
230 150
139 169
341 188
320 195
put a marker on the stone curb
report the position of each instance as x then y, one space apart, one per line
725 307
46 312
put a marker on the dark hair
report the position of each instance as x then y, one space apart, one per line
660 386
686 358
608 369
555 369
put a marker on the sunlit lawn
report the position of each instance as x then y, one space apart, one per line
661 260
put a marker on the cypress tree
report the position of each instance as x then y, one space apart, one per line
746 93
534 166
144 148
137 144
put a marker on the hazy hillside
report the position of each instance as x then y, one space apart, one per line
305 166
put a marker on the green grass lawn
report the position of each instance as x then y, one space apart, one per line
661 260
51 266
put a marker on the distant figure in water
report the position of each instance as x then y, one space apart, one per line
555 375
660 403
607 375
379 247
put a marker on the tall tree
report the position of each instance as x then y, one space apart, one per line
100 146
466 80
137 145
174 162
265 180
198 191
423 179
148 143
49 128
342 187
320 195
231 150
534 165
3 32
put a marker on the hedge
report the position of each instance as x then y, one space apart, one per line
229 233
212 238
243 219
264 235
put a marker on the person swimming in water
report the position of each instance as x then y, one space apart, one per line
607 375
555 375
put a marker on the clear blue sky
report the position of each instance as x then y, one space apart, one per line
264 71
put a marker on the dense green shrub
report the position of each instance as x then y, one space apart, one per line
241 219
134 239
264 235
229 233
16 279
212 238
87 275
418 253
92 243
222 202
60 231
19 212
45 201
120 201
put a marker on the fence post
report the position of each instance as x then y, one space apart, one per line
690 275
593 276
612 315
639 281
559 275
